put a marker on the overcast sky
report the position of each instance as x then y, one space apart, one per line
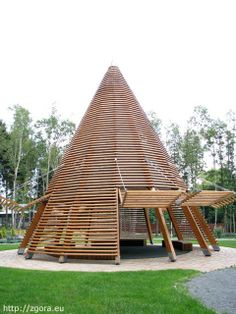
174 54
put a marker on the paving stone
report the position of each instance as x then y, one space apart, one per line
191 260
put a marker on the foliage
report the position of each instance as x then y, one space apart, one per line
29 153
116 292
218 232
203 151
51 139
155 122
3 232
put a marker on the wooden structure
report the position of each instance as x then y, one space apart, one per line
9 204
114 170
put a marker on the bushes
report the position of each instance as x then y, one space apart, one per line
3 232
7 233
218 232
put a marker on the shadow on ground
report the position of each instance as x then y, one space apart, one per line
149 251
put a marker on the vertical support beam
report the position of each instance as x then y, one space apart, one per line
199 236
62 259
166 235
175 224
31 228
198 215
117 258
148 224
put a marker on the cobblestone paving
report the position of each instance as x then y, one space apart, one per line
191 260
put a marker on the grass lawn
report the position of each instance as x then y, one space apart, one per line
228 243
9 246
79 292
222 242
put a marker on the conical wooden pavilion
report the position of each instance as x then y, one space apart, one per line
113 172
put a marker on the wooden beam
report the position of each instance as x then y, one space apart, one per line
149 227
31 228
175 224
117 257
166 235
206 228
198 234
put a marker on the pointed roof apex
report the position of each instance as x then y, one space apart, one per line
113 67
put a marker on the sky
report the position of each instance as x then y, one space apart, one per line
174 54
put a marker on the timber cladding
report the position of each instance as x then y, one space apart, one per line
114 150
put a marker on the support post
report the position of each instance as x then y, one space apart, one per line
29 255
175 224
117 258
166 235
62 259
148 224
31 229
198 215
198 234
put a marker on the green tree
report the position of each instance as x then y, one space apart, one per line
52 137
155 122
192 157
174 144
20 151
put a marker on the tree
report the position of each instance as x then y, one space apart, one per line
20 150
52 137
174 144
192 157
155 122
5 170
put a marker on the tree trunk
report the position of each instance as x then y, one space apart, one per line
225 221
234 227
48 166
15 178
216 218
20 220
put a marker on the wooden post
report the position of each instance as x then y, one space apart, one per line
31 229
149 227
117 258
199 236
198 215
175 224
62 259
166 235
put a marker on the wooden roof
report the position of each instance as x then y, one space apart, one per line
209 198
114 147
150 199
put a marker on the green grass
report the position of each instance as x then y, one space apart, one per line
13 246
222 242
228 243
119 292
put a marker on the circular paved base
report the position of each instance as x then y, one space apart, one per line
191 260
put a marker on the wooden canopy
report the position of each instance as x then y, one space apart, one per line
115 154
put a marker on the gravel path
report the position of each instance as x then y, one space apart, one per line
216 289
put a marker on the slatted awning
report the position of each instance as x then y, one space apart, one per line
37 201
9 204
149 199
214 199
164 199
